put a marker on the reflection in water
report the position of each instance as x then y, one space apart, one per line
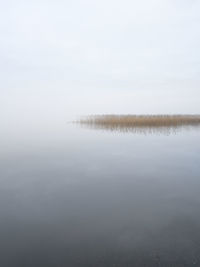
166 130
142 124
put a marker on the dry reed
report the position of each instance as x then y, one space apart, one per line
126 122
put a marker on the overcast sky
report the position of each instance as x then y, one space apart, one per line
74 57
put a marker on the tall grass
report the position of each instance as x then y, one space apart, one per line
127 122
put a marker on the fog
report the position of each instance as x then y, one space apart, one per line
76 195
63 59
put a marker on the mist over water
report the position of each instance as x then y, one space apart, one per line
72 196
96 195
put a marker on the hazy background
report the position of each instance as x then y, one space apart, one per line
61 59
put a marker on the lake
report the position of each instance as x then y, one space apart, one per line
71 196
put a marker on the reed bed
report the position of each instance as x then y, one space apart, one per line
140 121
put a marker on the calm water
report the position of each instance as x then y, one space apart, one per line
78 197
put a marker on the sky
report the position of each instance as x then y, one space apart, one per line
64 59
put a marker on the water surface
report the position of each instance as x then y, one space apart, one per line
80 197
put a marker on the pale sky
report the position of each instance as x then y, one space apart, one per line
68 58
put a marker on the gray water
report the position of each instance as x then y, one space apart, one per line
78 197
